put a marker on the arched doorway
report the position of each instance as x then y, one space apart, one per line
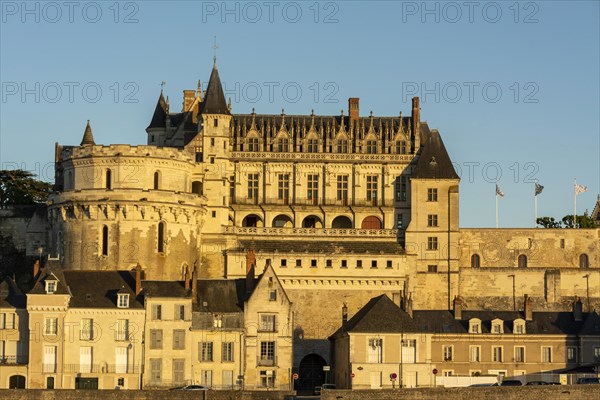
371 222
341 222
16 382
252 221
312 221
311 372
282 221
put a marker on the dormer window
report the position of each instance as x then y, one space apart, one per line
497 326
123 300
51 286
475 325
519 327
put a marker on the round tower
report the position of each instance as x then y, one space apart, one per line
120 205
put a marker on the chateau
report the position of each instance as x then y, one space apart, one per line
333 209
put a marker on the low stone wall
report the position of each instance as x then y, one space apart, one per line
558 392
38 394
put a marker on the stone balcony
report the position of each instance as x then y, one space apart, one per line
319 157
313 232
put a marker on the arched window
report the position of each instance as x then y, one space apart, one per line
197 188
522 261
584 261
156 180
161 237
105 240
475 261
108 179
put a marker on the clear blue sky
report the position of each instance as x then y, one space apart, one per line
543 56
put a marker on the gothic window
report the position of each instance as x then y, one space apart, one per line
522 261
108 179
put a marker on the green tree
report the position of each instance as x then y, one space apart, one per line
583 221
18 187
548 222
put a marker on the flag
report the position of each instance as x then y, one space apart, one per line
499 192
538 189
580 189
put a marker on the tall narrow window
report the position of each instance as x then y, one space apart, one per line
342 189
161 237
283 187
475 260
108 179
584 261
253 187
313 188
105 240
372 189
156 180
375 351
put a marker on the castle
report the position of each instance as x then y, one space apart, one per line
342 207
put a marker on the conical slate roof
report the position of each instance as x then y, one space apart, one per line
88 138
214 101
159 117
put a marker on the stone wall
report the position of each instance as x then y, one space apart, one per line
38 394
558 392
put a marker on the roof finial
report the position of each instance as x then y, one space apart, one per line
199 90
215 47
162 85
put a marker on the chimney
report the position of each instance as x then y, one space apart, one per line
250 268
195 286
416 124
344 313
458 307
188 99
36 268
409 306
187 277
353 109
578 310
138 279
528 308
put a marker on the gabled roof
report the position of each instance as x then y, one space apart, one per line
88 138
380 315
10 295
221 295
434 161
214 101
159 118
99 289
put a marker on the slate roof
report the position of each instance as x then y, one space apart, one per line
221 295
214 100
165 289
434 161
88 137
159 118
99 289
52 270
319 246
10 295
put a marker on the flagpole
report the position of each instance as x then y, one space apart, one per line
496 210
574 203
535 208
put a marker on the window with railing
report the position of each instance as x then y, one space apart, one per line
87 329
267 353
50 326
122 331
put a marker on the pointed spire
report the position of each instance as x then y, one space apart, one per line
160 113
88 138
214 99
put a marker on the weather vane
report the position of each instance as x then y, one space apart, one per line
215 47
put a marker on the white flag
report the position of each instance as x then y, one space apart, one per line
499 192
580 189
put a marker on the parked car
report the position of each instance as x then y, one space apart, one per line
511 382
537 383
327 386
588 381
190 387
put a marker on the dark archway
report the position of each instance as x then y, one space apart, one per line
252 221
341 222
311 372
16 382
312 221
